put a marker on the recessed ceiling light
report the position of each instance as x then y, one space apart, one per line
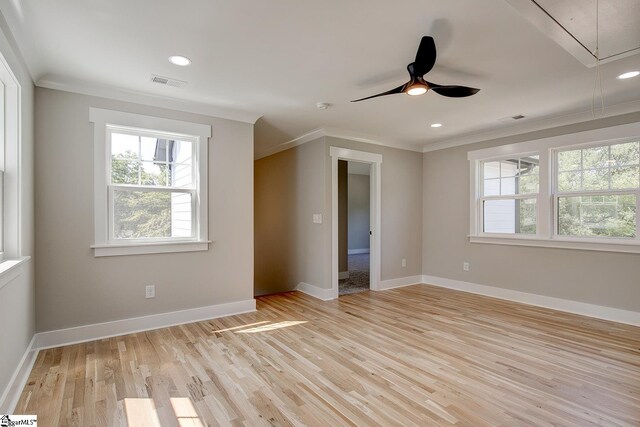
629 75
436 125
182 61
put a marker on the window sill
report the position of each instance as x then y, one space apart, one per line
10 269
585 245
103 250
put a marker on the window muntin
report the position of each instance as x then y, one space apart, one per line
597 191
509 191
152 185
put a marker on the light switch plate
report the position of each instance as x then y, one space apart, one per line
317 218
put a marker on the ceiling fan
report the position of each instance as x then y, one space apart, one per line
425 59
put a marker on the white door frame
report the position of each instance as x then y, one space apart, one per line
375 160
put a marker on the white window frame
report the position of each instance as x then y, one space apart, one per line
12 259
107 121
547 149
482 198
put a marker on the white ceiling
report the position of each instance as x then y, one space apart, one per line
278 58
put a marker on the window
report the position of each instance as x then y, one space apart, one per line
573 191
597 190
11 178
150 184
509 195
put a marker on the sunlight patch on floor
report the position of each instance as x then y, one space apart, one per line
141 412
271 327
185 412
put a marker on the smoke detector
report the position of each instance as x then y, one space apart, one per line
322 105
167 81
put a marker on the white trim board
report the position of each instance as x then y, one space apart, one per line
532 125
569 306
97 331
315 291
138 97
334 133
11 394
375 212
400 282
358 251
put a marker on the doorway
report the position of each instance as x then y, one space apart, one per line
354 227
355 221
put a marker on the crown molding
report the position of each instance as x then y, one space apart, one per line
137 97
532 126
334 133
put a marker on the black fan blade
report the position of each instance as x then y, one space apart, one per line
453 91
399 89
426 56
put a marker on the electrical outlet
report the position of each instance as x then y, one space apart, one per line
465 266
404 262
150 291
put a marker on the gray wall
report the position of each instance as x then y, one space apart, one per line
292 185
359 212
75 288
602 278
289 247
18 316
343 216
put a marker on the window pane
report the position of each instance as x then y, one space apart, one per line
596 157
570 160
625 154
509 168
124 146
153 149
181 215
491 170
151 214
181 152
508 186
596 179
569 181
515 216
154 174
181 176
628 177
527 217
528 184
125 172
601 216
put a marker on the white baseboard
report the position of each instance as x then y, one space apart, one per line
575 307
316 292
11 394
97 331
399 282
358 251
343 275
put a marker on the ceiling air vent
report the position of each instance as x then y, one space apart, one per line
509 119
167 81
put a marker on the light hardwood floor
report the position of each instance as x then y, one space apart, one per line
419 355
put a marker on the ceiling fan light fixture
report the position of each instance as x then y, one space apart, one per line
416 90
